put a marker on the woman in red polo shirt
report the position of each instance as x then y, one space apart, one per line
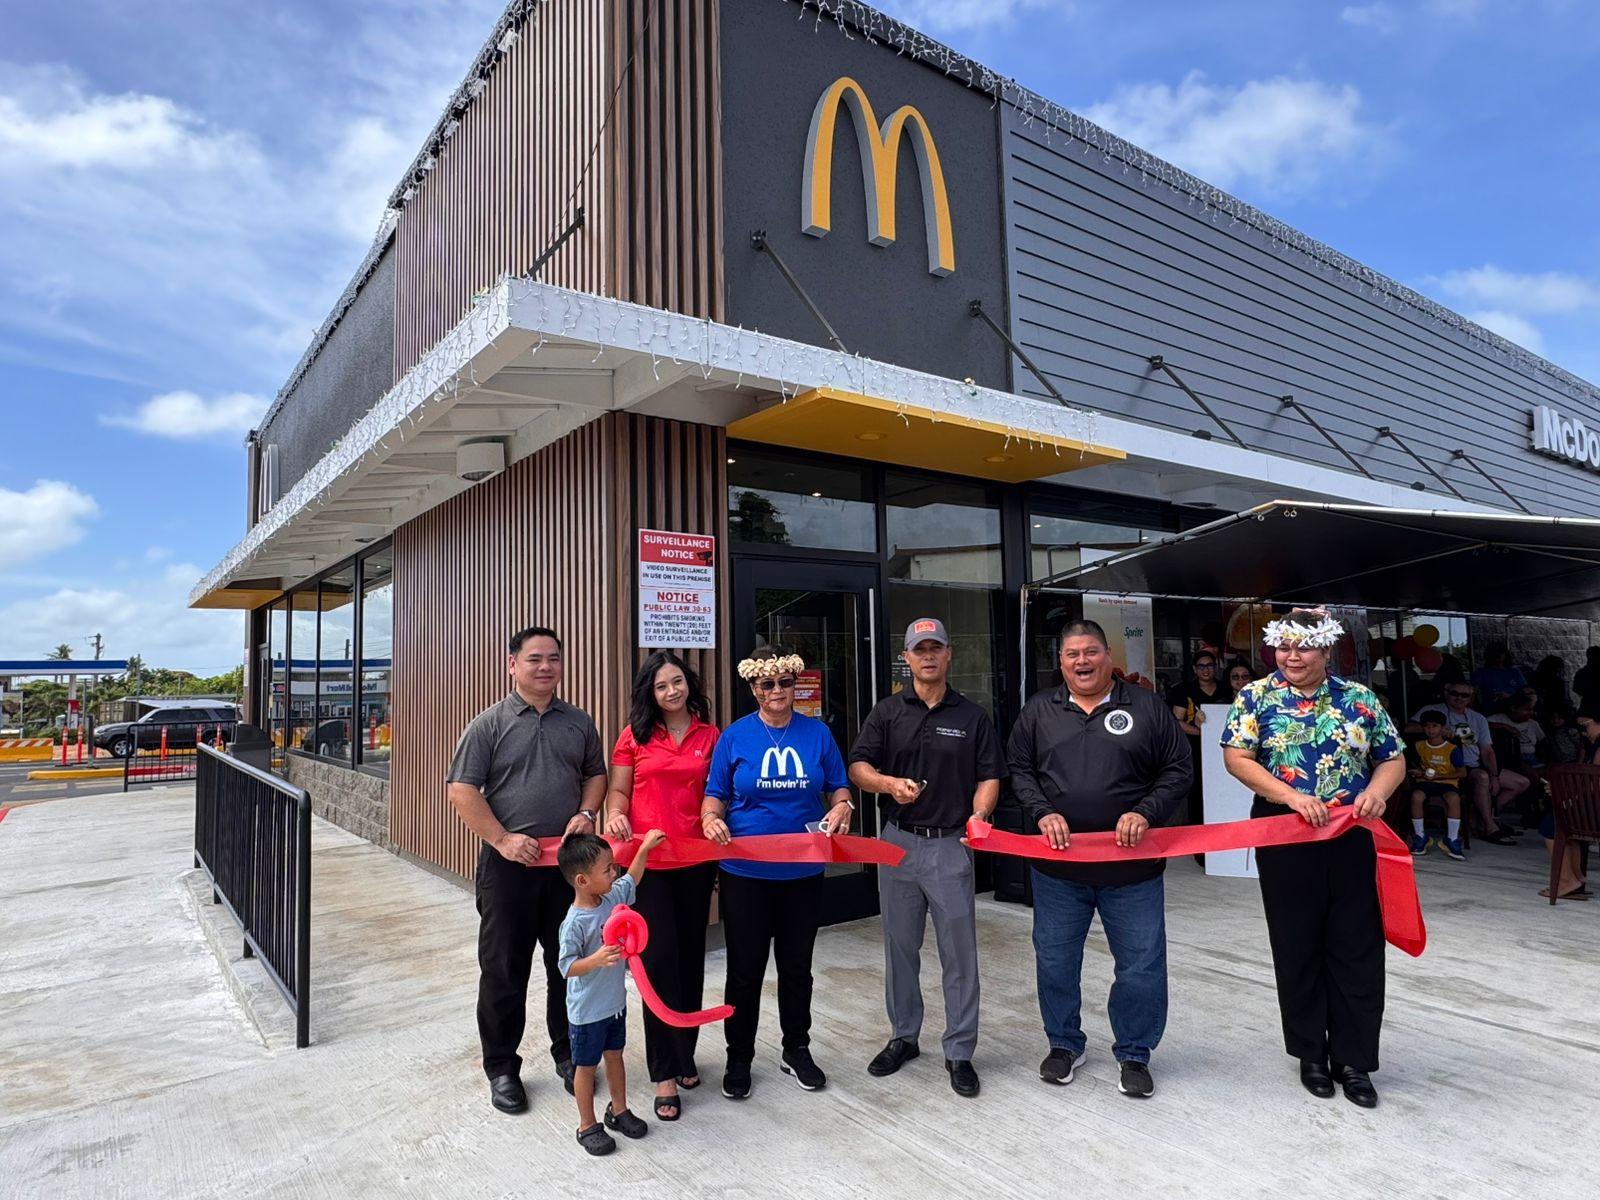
658 779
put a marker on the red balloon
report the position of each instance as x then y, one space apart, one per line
1405 648
1428 659
625 928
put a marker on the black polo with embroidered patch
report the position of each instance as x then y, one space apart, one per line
1128 755
952 745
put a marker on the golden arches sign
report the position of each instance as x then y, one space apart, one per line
880 159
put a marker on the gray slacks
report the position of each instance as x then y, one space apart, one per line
936 876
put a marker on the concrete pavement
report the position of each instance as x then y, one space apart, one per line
128 1067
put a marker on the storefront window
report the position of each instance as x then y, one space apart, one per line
336 648
377 640
944 562
1063 543
779 501
302 683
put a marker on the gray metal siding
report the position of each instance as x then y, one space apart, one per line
1107 269
354 367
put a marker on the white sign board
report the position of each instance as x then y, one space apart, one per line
677 590
1226 799
1129 629
1568 438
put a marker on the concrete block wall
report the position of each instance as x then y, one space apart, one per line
353 800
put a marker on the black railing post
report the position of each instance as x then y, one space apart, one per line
302 930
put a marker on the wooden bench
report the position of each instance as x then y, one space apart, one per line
1575 799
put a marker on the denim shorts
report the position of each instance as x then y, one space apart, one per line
592 1040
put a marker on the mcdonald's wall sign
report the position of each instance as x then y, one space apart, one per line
880 161
877 179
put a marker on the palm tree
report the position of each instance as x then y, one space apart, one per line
62 653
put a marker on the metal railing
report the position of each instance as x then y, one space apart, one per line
165 753
252 837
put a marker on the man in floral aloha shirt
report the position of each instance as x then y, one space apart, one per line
1303 740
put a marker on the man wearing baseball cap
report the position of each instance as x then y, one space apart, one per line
934 759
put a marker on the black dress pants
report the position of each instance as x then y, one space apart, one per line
762 915
1326 930
518 906
676 905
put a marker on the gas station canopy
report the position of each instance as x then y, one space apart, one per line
1410 560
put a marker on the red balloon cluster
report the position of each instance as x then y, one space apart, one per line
1419 653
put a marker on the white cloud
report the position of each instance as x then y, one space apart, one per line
46 517
1379 18
1541 292
189 417
49 121
138 235
144 616
966 14
1281 135
1511 327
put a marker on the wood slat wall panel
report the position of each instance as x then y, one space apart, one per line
652 194
664 143
498 196
551 541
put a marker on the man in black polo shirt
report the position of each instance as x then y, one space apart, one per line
934 759
527 767
1093 755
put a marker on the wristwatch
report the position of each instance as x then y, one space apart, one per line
590 813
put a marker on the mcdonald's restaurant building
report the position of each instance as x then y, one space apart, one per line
698 321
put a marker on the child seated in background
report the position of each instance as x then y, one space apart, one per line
1437 776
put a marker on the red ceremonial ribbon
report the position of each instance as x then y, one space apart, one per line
1397 884
764 847
626 928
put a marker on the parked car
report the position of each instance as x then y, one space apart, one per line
330 738
183 725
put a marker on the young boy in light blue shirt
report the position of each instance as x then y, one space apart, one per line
597 996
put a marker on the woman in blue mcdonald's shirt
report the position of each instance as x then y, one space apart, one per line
774 771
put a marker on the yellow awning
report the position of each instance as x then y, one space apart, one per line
859 426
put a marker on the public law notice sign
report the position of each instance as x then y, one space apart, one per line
677 590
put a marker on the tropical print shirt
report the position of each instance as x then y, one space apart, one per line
1323 744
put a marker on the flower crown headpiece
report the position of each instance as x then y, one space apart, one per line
1320 636
770 667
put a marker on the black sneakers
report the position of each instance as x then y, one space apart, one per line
1059 1065
1135 1080
892 1057
736 1081
806 1073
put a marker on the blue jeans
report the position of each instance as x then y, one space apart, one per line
1135 919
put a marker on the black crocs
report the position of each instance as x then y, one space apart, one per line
625 1123
596 1140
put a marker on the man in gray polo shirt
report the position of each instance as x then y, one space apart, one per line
527 767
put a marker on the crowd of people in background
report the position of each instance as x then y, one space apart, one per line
1480 747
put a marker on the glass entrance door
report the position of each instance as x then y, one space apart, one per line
827 613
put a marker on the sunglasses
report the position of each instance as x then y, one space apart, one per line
1461 695
1205 666
768 685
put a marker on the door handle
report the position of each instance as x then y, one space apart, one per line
872 641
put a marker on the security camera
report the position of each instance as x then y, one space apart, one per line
476 461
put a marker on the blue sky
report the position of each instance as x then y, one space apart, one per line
186 187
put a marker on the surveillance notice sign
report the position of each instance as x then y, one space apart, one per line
677 590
